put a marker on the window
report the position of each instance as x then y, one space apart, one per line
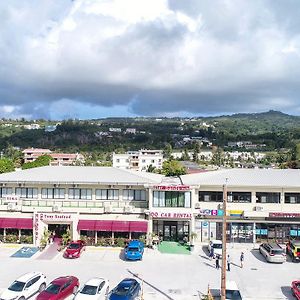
134 195
171 199
240 197
293 198
53 193
117 160
5 192
105 194
27 192
268 197
207 196
80 194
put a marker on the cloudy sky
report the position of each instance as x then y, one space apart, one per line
100 58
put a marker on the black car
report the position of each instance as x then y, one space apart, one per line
127 289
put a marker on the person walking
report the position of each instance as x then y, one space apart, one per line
217 262
211 253
242 259
228 263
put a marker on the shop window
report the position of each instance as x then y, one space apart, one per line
53 193
134 195
268 197
80 194
243 197
293 198
27 193
207 196
5 191
171 199
124 235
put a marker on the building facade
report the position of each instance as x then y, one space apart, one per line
97 202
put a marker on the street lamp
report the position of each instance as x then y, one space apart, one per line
224 227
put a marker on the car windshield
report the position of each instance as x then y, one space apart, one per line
122 290
133 249
233 294
277 251
74 246
89 290
53 288
217 246
17 286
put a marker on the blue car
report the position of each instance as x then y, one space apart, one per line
127 289
134 250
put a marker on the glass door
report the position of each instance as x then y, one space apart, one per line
173 233
167 232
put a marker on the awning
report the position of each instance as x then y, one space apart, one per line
138 226
16 223
103 225
86 225
120 226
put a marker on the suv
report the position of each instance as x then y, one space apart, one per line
293 249
273 252
25 286
134 250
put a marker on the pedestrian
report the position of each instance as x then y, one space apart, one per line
228 262
242 259
217 261
211 253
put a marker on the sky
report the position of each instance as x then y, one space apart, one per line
85 59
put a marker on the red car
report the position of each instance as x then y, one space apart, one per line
60 288
74 249
296 289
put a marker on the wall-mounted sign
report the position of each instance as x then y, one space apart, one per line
284 215
210 212
172 187
170 215
236 213
55 217
10 199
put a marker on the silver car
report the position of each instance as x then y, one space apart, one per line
272 252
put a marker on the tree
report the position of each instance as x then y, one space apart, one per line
167 151
41 161
173 168
217 157
185 155
196 152
6 165
151 169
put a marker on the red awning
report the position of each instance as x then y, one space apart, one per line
86 225
120 226
16 223
103 225
25 224
138 226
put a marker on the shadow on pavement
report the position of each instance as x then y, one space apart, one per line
259 256
210 265
122 255
286 291
151 285
205 251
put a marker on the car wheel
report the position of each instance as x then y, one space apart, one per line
22 298
42 287
75 289
106 293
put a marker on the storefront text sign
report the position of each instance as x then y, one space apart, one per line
284 215
170 215
210 212
55 217
172 187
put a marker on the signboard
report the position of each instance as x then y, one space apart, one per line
236 213
283 215
11 199
170 215
210 212
172 187
55 217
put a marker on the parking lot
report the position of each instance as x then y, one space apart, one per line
164 276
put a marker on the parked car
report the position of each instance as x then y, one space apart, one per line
295 287
25 286
272 252
74 249
94 289
127 289
134 250
293 249
60 288
217 247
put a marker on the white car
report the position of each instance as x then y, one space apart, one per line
93 289
25 286
217 246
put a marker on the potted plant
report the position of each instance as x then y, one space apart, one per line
193 236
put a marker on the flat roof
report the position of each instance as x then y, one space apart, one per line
245 177
82 175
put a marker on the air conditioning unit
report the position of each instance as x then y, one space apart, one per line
128 209
197 205
11 206
56 208
108 209
258 208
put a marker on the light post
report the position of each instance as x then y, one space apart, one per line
224 227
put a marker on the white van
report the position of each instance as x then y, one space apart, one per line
217 246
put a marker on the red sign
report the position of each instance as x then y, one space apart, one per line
172 187
170 215
284 215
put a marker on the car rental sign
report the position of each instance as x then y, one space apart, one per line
170 215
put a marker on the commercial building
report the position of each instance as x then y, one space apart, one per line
109 202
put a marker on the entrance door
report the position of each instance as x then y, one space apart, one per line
173 232
58 229
170 231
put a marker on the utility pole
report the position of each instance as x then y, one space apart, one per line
224 227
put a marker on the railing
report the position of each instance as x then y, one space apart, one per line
78 203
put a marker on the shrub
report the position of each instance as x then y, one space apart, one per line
26 239
11 238
119 242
